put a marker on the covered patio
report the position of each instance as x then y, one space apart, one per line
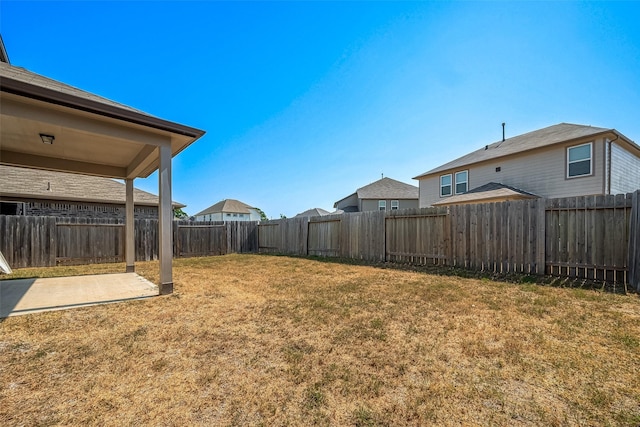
48 125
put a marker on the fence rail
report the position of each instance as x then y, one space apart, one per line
592 237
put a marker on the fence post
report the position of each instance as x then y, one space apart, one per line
541 226
634 242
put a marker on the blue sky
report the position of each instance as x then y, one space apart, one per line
303 102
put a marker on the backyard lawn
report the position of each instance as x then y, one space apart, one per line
265 340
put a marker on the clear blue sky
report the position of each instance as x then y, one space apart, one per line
303 102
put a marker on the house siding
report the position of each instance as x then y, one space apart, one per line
372 204
625 170
541 172
253 215
348 201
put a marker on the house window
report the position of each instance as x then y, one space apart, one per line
394 205
462 178
382 205
445 185
579 160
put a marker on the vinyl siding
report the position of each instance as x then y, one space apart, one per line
372 204
210 217
625 170
352 200
541 172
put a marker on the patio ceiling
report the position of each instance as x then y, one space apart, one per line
93 135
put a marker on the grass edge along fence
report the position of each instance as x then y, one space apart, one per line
586 237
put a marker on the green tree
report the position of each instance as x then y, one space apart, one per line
263 216
178 213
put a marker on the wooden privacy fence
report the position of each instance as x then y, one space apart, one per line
356 236
591 237
47 241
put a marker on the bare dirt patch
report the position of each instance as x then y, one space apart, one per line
262 340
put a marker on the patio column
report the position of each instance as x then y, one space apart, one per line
129 251
165 220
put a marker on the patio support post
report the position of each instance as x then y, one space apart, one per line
165 223
129 251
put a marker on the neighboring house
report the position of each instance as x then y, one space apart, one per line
47 193
229 210
383 194
563 160
314 212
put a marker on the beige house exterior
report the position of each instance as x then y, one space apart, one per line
228 210
563 160
383 194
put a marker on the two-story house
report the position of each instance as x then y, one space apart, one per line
383 194
229 210
563 160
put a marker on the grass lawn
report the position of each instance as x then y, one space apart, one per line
263 340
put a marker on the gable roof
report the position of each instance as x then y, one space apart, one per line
385 188
314 212
551 135
486 193
50 185
227 205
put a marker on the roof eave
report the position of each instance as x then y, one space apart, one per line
437 170
17 87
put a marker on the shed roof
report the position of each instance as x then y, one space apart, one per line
50 185
487 193
551 135
227 206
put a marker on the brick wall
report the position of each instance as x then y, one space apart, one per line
59 208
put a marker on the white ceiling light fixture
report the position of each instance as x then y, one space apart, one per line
47 139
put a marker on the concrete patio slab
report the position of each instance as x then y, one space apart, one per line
23 296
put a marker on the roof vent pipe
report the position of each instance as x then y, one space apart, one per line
503 131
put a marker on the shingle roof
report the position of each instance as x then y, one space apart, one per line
529 141
314 212
227 205
23 75
486 192
41 184
387 188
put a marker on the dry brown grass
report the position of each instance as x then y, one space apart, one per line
261 340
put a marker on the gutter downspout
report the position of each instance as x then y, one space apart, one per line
608 174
